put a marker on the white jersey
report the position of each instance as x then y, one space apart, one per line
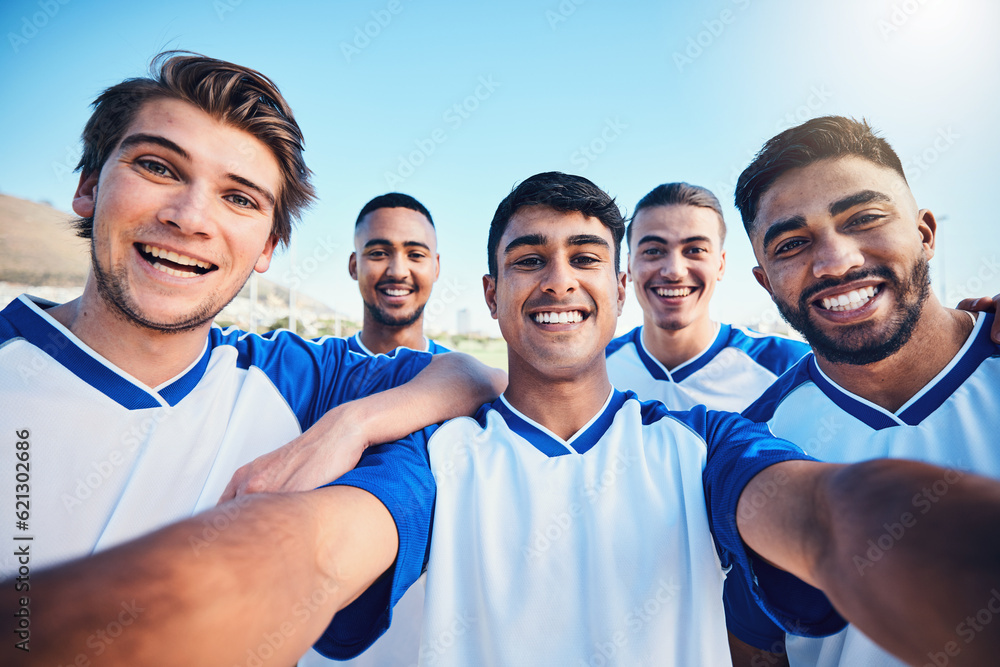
400 644
595 550
727 375
110 458
954 421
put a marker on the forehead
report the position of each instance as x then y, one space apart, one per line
557 227
676 222
396 225
211 145
809 191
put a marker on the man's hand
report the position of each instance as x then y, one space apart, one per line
984 304
322 454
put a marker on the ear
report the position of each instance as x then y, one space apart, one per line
85 197
622 291
352 265
927 226
722 265
437 266
628 268
490 292
761 277
264 260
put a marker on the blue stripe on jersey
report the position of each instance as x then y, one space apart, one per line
654 368
699 362
774 353
764 407
806 370
316 375
982 348
622 341
38 331
548 445
184 385
354 345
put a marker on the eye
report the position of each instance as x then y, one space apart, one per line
788 246
697 251
241 201
417 256
652 252
865 219
376 254
586 260
155 167
528 262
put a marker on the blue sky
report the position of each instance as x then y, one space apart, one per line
454 103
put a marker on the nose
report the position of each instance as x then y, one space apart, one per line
672 267
397 267
558 277
835 256
188 210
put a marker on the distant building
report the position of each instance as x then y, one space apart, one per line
464 322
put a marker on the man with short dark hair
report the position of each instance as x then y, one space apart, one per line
396 263
843 250
679 355
572 523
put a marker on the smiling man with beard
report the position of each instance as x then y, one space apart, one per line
396 263
843 250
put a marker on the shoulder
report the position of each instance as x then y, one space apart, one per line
622 341
279 347
764 407
773 352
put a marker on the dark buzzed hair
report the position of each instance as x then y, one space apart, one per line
563 192
394 200
680 194
812 141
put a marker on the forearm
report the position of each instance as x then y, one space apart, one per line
912 552
252 575
452 385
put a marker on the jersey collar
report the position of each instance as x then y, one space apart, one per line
685 370
37 327
976 349
551 444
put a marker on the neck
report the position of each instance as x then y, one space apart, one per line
382 339
562 404
673 347
938 336
152 357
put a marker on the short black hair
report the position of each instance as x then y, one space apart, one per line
394 200
812 141
679 194
563 192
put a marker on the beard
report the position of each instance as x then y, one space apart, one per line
387 319
866 342
113 290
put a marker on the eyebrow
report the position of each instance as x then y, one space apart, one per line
863 197
406 244
652 238
136 139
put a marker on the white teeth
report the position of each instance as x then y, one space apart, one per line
397 292
678 291
173 272
566 317
850 300
172 256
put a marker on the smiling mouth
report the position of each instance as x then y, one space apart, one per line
172 263
395 291
674 292
565 317
847 301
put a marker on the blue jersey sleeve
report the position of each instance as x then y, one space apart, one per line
738 450
399 475
317 375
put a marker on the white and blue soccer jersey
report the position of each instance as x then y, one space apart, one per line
111 458
954 421
357 346
728 375
594 550
401 642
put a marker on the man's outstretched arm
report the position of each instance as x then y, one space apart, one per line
452 385
905 551
262 574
